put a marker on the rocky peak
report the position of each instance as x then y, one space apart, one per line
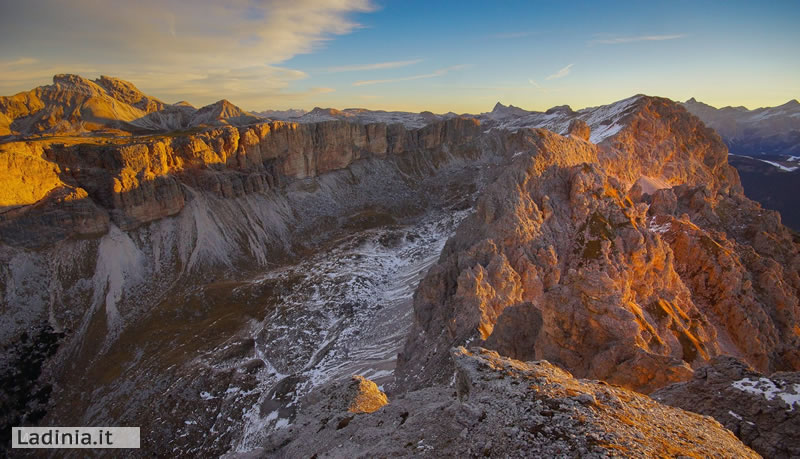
510 110
580 129
319 111
564 261
126 92
563 109
71 79
77 83
221 112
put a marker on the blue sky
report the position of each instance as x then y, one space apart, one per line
405 55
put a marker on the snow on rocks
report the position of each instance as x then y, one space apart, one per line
769 390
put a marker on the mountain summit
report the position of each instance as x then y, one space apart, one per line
76 105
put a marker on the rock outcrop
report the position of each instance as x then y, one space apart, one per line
358 396
764 412
506 408
565 260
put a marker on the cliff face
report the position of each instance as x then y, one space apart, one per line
658 138
564 260
55 191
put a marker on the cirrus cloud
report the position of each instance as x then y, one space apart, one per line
620 40
561 73
437 73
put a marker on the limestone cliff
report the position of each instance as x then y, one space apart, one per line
146 179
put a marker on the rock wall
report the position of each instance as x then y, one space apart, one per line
139 182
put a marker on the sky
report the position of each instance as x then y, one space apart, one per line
461 56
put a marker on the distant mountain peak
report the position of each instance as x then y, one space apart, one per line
560 109
325 111
508 110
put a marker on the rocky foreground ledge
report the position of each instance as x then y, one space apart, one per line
503 408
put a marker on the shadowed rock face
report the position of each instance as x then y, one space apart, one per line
563 261
762 411
506 408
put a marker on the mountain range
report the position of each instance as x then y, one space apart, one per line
75 105
763 131
590 282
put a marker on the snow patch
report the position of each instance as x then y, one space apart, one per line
780 166
604 132
661 229
769 390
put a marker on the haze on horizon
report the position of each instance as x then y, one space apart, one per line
413 56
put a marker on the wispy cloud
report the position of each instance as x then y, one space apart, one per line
19 62
375 66
534 84
561 73
620 40
197 50
435 74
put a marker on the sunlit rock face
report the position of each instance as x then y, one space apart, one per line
148 179
74 105
564 260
